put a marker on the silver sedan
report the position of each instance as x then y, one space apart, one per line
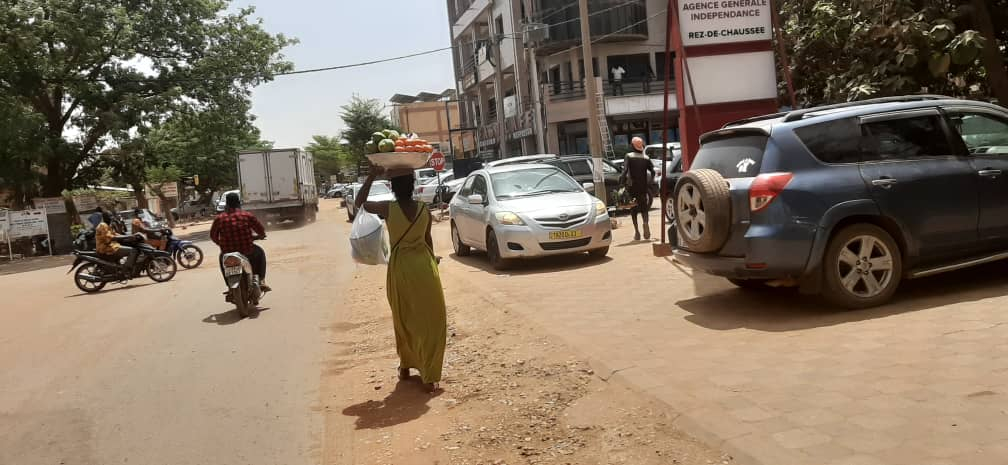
523 211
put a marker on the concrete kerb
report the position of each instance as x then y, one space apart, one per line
685 421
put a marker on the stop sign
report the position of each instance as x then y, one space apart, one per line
437 161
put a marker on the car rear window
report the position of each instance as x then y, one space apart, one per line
732 157
837 141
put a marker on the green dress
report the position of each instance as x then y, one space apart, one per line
415 295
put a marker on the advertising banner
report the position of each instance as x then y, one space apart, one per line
50 204
27 223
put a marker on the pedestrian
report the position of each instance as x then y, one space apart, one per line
413 283
617 79
648 77
637 174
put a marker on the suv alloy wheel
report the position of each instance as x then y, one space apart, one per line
862 267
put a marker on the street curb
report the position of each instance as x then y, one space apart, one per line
603 371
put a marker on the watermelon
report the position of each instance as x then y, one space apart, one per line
371 147
391 134
386 145
377 137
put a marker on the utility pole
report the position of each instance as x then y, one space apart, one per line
591 94
537 119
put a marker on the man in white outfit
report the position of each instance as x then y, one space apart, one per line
617 79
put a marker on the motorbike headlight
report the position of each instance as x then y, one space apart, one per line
600 208
509 219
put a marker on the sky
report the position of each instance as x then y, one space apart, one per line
291 109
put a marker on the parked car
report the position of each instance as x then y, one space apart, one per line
451 188
222 201
380 191
848 200
153 221
527 210
521 159
581 167
426 191
190 209
335 191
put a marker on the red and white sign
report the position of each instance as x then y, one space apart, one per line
437 161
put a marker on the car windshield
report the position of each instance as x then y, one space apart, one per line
533 181
379 189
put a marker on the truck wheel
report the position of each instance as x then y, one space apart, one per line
703 210
862 267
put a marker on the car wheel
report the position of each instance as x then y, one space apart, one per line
703 210
461 249
750 284
862 267
599 253
669 209
493 253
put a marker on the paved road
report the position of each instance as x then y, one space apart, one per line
773 377
167 373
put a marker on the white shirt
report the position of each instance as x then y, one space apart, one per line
617 73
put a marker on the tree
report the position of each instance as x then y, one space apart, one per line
362 117
851 50
95 71
331 156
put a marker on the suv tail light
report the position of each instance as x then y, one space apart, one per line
765 189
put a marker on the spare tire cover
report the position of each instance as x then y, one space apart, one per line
703 210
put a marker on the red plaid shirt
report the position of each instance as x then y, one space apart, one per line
232 231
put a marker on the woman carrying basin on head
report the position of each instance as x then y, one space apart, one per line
413 281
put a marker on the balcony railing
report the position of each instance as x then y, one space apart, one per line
567 90
615 19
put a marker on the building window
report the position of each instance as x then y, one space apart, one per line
499 24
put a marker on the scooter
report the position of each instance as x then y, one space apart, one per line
187 254
94 271
243 284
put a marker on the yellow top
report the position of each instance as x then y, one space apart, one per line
105 242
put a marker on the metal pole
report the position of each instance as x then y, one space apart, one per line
45 214
537 119
451 143
662 193
591 94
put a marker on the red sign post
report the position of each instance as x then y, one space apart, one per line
437 161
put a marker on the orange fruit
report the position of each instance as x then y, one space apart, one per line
399 142
400 149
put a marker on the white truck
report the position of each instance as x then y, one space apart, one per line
278 185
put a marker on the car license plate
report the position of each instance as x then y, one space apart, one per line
554 235
232 270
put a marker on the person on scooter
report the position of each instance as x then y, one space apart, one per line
154 236
107 243
232 232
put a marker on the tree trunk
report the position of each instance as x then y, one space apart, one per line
138 193
992 59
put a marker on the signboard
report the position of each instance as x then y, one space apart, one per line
169 189
521 133
437 161
86 203
708 22
27 223
50 204
510 106
3 222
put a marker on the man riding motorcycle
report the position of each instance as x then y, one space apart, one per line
107 243
154 236
232 232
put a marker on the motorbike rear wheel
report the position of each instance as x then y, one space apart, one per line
189 256
83 283
161 269
241 298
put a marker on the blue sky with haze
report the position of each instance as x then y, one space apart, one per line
291 109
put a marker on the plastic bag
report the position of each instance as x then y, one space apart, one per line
369 244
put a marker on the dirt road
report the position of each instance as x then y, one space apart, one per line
167 373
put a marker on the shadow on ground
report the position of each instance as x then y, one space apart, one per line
407 402
107 289
550 264
232 316
722 307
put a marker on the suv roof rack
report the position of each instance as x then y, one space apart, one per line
799 114
752 119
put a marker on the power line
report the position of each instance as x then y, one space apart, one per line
600 38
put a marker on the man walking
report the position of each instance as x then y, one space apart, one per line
637 174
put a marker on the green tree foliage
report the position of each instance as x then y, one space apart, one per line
331 157
362 117
851 50
95 71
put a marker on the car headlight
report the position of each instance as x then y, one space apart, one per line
600 208
509 219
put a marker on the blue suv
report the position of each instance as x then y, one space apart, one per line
847 200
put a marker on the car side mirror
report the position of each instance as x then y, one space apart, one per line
475 199
589 187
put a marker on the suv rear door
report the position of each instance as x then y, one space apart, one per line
984 132
919 179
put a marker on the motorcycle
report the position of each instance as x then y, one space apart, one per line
85 240
242 283
94 271
187 254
